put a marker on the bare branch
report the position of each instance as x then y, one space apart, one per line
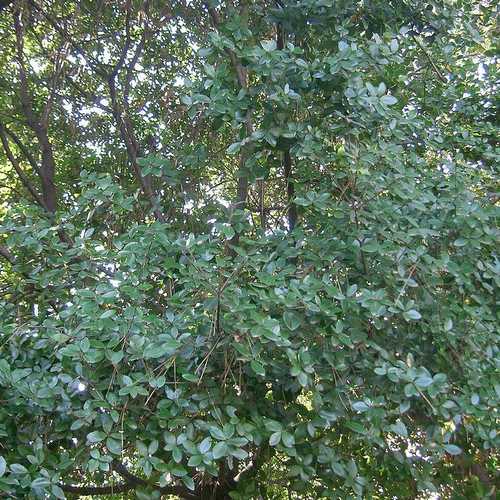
123 120
58 69
96 490
241 74
429 58
24 150
17 167
138 481
131 67
38 126
126 46
92 62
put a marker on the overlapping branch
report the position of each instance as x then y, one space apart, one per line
119 110
38 124
131 482
241 74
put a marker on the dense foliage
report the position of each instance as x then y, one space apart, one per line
248 249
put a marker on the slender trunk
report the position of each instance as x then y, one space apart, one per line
290 190
241 74
287 159
38 124
47 172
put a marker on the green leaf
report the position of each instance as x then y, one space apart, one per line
228 231
3 466
177 454
18 469
338 469
273 425
188 483
423 382
185 99
268 45
343 46
153 351
195 460
107 314
303 379
217 433
115 357
96 437
233 148
388 100
178 470
274 438
288 439
57 491
205 445
400 428
291 320
239 453
114 446
257 368
220 450
85 344
360 406
355 426
302 201
412 314
452 449
153 447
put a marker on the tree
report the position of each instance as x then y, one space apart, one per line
248 250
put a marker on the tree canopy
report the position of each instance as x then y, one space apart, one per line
248 249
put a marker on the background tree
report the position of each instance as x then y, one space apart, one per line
248 249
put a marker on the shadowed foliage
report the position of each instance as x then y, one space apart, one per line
249 249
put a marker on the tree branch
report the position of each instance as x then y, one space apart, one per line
122 119
24 150
96 490
37 124
429 58
131 482
290 190
287 159
241 74
17 167
134 480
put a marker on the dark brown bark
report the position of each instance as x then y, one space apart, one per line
287 159
121 113
227 481
241 75
47 173
24 150
38 124
119 108
17 167
96 490
131 482
290 190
